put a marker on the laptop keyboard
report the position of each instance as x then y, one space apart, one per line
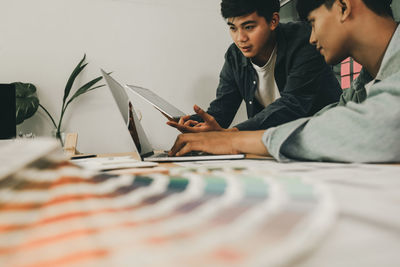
190 154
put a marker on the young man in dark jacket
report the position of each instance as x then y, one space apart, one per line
271 66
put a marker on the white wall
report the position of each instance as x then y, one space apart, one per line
174 47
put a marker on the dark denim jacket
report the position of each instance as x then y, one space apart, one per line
305 82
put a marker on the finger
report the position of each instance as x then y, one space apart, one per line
172 123
204 115
194 144
188 147
182 128
190 123
179 143
184 150
183 119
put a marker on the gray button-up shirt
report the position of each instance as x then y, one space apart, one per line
359 128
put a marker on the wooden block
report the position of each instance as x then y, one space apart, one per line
71 140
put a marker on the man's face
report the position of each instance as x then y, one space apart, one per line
327 34
251 34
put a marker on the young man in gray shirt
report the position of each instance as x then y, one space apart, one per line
365 125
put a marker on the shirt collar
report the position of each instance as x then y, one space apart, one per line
390 63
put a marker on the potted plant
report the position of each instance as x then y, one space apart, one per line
28 102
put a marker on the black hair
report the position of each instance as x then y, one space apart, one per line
380 7
305 7
238 8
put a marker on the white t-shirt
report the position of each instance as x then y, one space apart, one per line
267 91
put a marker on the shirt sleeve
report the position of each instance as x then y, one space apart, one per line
364 132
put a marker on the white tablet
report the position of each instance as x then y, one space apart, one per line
159 103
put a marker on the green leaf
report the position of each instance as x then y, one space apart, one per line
78 69
26 101
24 89
48 114
85 89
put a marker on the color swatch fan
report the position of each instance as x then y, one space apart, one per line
62 215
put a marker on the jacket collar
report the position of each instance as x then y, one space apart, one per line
281 45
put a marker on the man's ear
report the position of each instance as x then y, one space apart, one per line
345 6
274 21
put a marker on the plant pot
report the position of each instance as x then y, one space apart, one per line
60 136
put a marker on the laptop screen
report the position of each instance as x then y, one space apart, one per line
129 116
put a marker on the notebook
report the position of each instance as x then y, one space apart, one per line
139 137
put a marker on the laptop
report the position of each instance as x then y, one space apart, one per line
142 144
